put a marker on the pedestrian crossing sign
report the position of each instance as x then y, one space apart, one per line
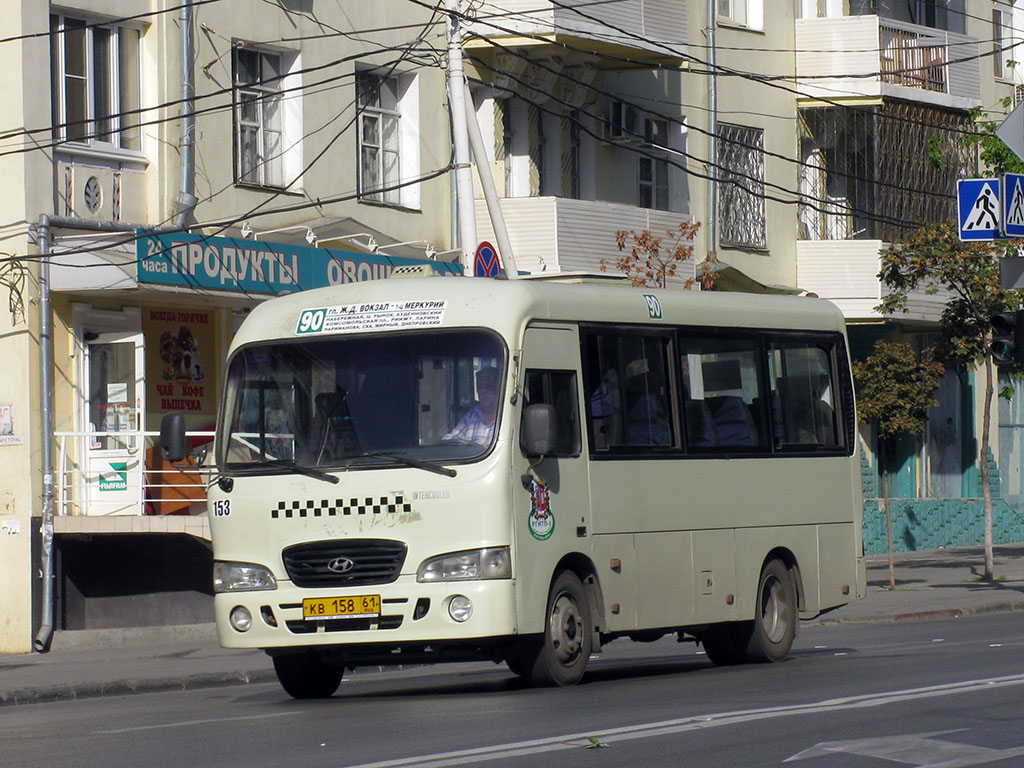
1013 204
978 208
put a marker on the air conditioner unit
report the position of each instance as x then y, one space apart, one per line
625 123
1018 94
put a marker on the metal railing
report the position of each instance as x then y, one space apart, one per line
123 473
914 57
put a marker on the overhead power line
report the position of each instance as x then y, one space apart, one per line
109 21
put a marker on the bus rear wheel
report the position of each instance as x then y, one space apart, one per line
307 676
563 657
776 614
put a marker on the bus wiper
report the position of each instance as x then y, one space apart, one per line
407 461
300 469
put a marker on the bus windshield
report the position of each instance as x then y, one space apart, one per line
344 401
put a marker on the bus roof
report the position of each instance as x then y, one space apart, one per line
508 305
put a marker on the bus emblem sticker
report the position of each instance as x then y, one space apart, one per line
542 521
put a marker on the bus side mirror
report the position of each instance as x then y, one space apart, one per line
172 436
539 430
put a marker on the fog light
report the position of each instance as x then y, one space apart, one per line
240 618
460 608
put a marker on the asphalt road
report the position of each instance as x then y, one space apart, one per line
924 694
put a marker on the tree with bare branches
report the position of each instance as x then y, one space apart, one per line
649 261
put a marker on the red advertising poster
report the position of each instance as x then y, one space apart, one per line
179 360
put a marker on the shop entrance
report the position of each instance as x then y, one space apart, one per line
115 448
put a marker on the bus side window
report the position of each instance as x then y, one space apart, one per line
720 384
803 397
557 388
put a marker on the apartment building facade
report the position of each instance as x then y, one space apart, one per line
318 151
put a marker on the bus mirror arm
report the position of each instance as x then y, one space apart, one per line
539 430
172 436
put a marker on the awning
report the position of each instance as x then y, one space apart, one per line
728 278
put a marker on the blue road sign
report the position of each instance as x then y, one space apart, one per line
486 263
978 209
1013 204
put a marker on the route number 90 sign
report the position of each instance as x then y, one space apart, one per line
311 321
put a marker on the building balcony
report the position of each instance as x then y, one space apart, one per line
509 39
870 58
846 273
555 234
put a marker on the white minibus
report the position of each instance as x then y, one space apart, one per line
442 468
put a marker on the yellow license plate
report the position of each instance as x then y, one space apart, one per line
358 607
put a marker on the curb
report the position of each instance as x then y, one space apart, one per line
72 692
944 614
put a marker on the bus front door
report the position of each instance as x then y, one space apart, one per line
552 515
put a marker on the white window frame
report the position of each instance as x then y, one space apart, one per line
741 13
380 116
264 122
1001 37
652 176
123 133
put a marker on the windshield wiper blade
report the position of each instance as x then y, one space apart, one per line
407 461
300 469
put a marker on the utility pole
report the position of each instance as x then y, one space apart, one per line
711 230
460 138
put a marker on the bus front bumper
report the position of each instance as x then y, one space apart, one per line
411 615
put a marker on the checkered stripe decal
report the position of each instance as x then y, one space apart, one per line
368 505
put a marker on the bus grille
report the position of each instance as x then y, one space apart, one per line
344 562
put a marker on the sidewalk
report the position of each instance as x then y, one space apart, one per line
941 584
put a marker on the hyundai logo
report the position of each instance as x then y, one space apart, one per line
340 565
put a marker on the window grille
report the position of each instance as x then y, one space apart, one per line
740 172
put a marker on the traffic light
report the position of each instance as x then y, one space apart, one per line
1008 337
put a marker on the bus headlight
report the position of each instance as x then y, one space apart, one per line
488 563
242 577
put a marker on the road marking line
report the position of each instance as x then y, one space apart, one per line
692 723
184 723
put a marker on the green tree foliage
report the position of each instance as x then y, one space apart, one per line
894 392
895 389
997 157
934 260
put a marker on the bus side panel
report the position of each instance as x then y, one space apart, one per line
664 590
840 572
615 559
714 575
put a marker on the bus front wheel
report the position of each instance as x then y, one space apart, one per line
563 657
307 676
776 614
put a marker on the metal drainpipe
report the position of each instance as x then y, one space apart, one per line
45 633
43 637
712 213
187 198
